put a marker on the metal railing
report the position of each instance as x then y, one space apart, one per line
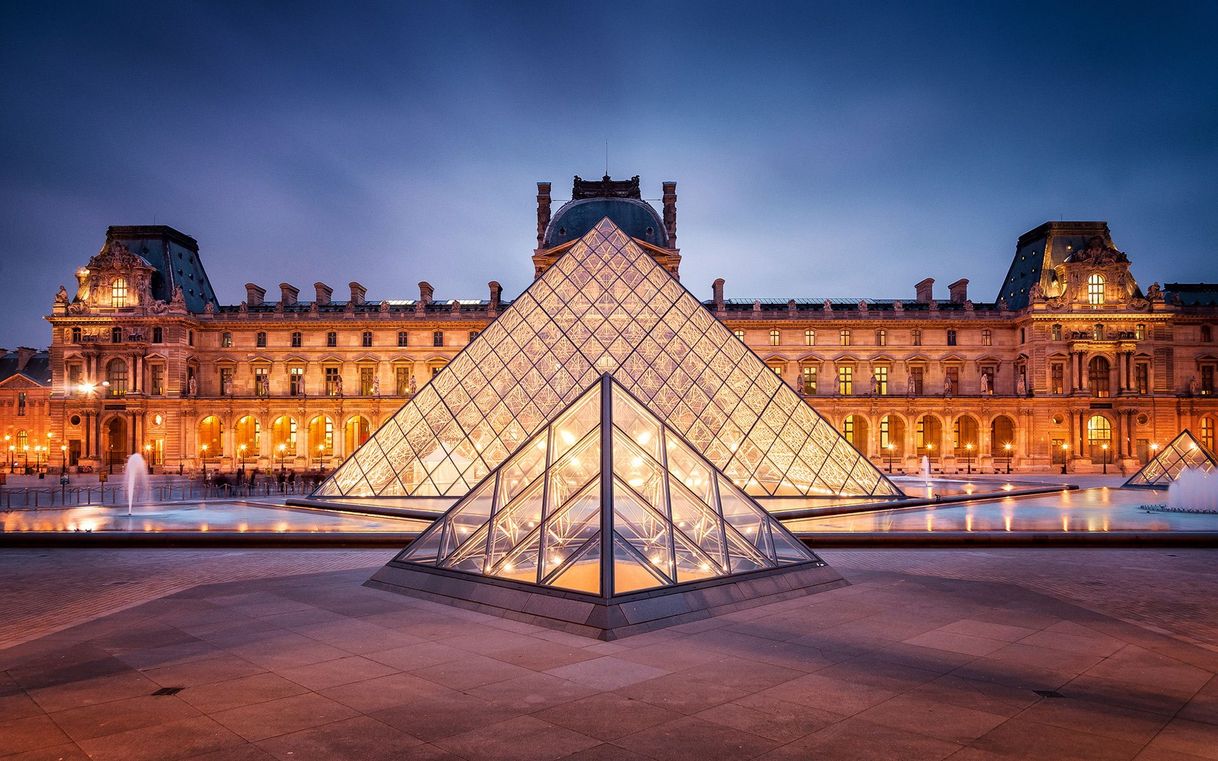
75 495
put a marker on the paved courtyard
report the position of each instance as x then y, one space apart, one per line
969 655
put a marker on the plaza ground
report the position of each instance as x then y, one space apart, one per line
929 654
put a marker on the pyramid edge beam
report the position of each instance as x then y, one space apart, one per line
601 618
1184 434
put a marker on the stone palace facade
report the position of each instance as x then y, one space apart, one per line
1073 361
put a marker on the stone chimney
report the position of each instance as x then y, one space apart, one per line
925 290
24 355
425 294
358 292
254 294
288 294
958 291
543 211
496 293
670 212
324 292
717 294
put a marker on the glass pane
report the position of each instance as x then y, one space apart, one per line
747 519
571 527
697 523
516 521
584 573
522 469
521 563
639 425
574 471
574 423
643 528
425 548
470 556
473 512
788 549
743 557
629 573
642 473
689 469
692 564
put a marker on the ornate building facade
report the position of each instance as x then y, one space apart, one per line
1073 362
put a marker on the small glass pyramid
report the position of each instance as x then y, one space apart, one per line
1165 467
606 306
606 500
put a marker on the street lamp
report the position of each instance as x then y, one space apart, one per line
63 459
241 455
321 448
25 457
204 448
1007 447
8 445
1065 458
283 457
968 457
890 449
1105 448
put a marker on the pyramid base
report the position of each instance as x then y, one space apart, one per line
609 619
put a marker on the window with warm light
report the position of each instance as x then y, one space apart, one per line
365 338
843 337
403 338
260 339
987 338
808 378
845 381
739 334
881 381
297 339
809 338
881 338
118 293
1095 289
775 338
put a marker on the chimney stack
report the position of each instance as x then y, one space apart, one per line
670 212
254 294
24 355
543 211
717 294
358 292
958 291
425 294
324 292
288 294
496 294
925 290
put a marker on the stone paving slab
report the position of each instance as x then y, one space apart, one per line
915 660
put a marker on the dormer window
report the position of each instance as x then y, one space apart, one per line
1095 289
118 293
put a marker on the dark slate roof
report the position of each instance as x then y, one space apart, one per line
37 368
636 218
1191 294
840 304
398 306
175 257
1042 248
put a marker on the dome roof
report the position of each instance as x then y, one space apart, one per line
636 218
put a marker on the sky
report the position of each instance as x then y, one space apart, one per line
820 149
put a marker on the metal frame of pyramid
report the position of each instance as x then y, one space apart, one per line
606 306
607 522
1183 452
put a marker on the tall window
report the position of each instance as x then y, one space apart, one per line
915 336
116 375
260 339
987 338
845 381
366 376
23 440
951 337
1139 331
808 377
881 338
76 333
848 428
401 377
1099 435
437 338
809 337
365 338
158 335
262 381
296 385
226 381
116 335
1095 289
1207 432
881 381
331 338
843 337
331 374
1057 378
1141 377
1097 331
157 378
402 340
1057 332
118 293
1207 334
917 380
1098 375
226 340
775 337
1207 380
297 339
21 399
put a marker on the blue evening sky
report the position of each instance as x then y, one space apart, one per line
841 149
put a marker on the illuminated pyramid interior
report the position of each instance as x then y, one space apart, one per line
606 522
606 307
1165 467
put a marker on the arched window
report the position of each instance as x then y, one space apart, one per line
928 436
116 376
1002 436
355 433
964 434
854 430
1099 372
892 436
211 438
118 293
1095 289
283 437
1099 437
249 437
321 437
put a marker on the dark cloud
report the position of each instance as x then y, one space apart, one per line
819 149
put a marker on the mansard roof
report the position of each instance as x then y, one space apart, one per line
174 256
35 366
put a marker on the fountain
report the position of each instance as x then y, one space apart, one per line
1193 491
925 468
135 478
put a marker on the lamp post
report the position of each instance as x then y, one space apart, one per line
47 449
1154 451
1007 448
283 457
8 444
63 459
968 457
321 448
889 449
25 465
204 448
1065 458
241 455
1104 447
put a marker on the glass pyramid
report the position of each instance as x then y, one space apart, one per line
1183 452
606 500
606 307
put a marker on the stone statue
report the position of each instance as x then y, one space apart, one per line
192 386
875 386
948 386
376 386
968 305
1154 292
413 386
828 306
985 384
862 306
338 385
898 306
1021 385
179 299
243 308
210 308
384 306
61 296
1193 387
